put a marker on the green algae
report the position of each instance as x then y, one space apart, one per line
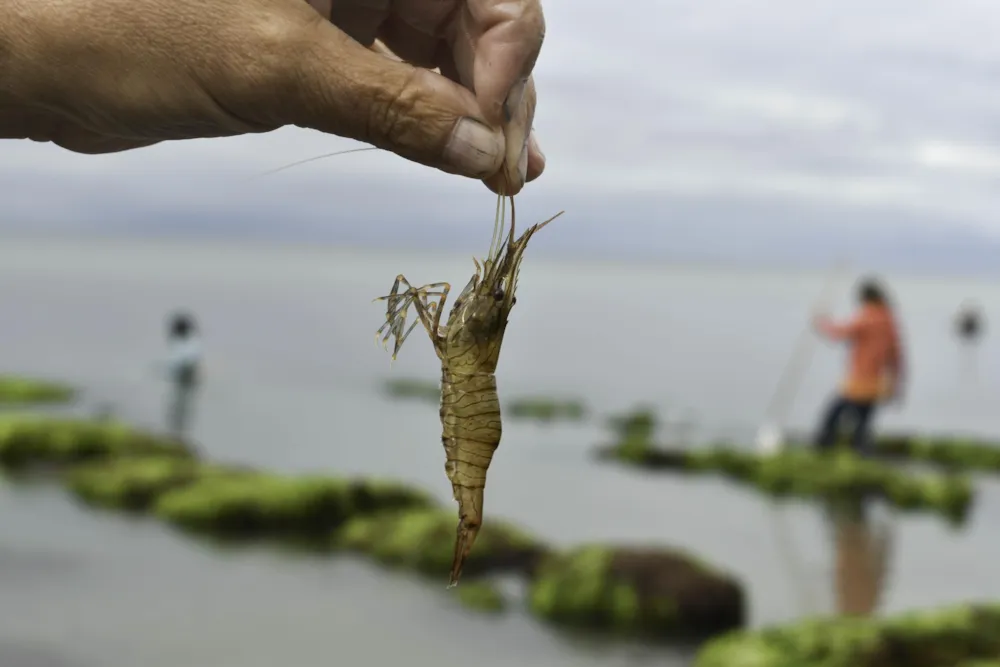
260 504
958 635
545 410
956 453
806 473
481 596
18 390
650 593
135 484
27 441
423 540
637 426
413 388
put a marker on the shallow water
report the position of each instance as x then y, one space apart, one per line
293 382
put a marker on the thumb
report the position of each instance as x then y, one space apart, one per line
345 89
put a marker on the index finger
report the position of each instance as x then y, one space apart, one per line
506 37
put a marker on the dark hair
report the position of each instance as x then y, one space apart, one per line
870 291
181 326
970 323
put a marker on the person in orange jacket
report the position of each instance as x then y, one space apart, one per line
874 370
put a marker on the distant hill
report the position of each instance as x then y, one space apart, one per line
744 232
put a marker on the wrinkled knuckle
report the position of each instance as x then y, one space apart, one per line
391 107
406 116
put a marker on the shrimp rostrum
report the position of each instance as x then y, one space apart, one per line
468 345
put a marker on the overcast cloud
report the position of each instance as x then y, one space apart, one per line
768 130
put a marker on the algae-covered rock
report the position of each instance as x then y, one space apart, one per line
546 410
806 473
260 504
638 425
957 452
414 388
651 593
424 540
30 441
635 442
944 638
16 390
136 483
482 596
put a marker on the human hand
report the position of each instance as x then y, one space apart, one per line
99 76
819 320
892 391
487 46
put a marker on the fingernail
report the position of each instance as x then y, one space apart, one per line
474 149
522 165
514 98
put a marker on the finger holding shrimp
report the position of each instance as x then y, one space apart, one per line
490 47
495 46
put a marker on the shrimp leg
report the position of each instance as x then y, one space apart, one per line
396 320
398 306
429 313
445 288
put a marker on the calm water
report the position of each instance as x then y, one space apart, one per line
293 384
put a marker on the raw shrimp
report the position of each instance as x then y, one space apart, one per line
468 345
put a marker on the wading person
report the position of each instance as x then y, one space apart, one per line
969 328
182 369
874 370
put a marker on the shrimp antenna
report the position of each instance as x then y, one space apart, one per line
313 159
497 229
510 237
512 218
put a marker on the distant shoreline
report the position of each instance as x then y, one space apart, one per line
564 257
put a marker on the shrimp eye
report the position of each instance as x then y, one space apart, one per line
498 294
513 301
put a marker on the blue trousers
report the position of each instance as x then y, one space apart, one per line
859 412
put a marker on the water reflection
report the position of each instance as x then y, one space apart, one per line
862 551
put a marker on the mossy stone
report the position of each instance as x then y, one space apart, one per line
639 425
953 636
259 504
414 388
632 449
958 452
806 473
424 540
483 596
650 593
135 483
31 441
545 410
17 390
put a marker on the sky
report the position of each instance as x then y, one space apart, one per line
752 131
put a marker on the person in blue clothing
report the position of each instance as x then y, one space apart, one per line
183 370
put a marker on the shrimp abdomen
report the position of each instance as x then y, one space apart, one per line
471 430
